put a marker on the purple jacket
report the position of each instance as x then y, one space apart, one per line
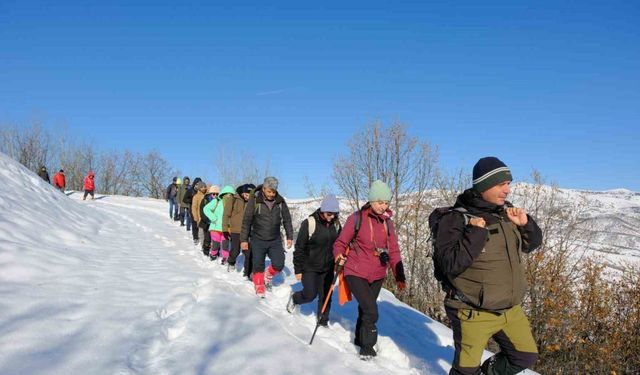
362 260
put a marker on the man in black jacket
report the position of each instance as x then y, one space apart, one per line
170 196
479 245
264 214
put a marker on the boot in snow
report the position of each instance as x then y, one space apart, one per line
258 281
291 305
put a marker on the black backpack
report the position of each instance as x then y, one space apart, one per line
434 220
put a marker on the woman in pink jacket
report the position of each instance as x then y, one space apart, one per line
89 185
373 249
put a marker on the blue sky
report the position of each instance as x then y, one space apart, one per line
551 85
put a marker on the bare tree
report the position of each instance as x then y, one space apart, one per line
239 168
155 173
31 146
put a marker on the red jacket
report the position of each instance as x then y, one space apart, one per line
88 182
58 180
361 260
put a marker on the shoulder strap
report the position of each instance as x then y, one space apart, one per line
312 225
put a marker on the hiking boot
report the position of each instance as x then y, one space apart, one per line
367 353
213 257
291 305
224 261
268 280
488 364
260 292
323 322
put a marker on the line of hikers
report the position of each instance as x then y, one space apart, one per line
477 257
59 181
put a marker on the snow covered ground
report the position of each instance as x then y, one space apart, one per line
113 286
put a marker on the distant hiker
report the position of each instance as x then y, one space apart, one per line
234 207
373 242
264 214
170 196
59 180
44 174
205 223
313 257
477 250
200 189
215 211
89 185
182 190
186 203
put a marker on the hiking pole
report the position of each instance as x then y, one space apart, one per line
326 300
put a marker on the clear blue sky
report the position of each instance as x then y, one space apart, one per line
551 85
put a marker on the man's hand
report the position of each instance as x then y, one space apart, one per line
244 245
298 276
289 243
477 222
518 216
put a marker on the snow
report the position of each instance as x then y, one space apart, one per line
113 286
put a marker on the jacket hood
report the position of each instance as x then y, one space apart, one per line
228 189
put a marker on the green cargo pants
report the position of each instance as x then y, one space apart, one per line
473 328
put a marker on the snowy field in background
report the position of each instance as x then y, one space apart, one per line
113 286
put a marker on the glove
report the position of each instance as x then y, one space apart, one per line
384 258
401 285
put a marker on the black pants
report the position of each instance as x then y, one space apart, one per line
248 262
206 239
235 248
194 229
366 294
259 251
315 284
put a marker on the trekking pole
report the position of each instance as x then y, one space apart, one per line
326 300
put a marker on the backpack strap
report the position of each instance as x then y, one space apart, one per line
312 225
311 220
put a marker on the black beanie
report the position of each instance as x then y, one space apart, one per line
489 172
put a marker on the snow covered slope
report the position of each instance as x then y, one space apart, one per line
113 286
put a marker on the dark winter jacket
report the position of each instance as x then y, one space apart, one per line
187 200
172 190
44 174
362 260
263 223
484 265
182 190
204 220
315 254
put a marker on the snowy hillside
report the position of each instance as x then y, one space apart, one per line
112 286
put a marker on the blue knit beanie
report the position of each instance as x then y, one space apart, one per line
489 172
330 204
379 191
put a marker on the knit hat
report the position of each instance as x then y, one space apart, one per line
270 183
247 188
330 204
175 179
379 191
489 172
178 181
213 189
